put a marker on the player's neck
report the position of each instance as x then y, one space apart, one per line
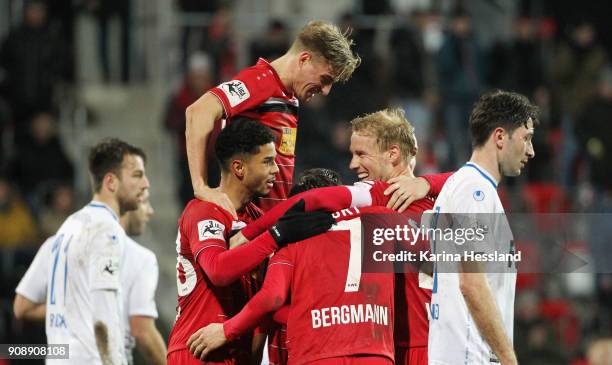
108 199
239 195
401 170
282 67
488 161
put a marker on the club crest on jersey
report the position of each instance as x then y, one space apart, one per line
210 228
287 143
236 92
478 195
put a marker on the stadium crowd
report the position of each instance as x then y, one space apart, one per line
435 66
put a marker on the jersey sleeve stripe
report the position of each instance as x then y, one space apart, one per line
204 248
280 263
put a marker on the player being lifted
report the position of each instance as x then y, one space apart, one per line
383 146
210 279
269 92
474 311
84 306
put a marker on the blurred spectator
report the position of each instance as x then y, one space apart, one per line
191 37
17 226
272 44
363 92
518 65
593 131
197 81
59 205
105 11
41 160
409 73
461 70
545 141
577 67
219 44
33 58
535 342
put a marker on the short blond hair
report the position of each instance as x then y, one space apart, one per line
389 126
326 40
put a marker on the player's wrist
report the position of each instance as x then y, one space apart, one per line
229 332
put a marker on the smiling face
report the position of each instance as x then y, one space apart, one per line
314 76
260 170
368 161
517 149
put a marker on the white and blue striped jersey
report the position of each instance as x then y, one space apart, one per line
84 285
453 335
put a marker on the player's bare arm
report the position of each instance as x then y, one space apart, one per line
101 334
149 341
484 310
200 118
26 309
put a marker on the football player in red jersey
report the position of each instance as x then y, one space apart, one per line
381 142
211 280
269 92
383 146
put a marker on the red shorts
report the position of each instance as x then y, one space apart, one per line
353 360
184 357
411 355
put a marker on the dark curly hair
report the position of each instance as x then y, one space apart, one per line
107 156
241 136
499 108
315 178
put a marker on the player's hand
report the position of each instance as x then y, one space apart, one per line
405 191
295 225
206 339
216 196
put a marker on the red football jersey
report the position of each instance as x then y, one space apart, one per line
335 309
411 297
202 226
257 93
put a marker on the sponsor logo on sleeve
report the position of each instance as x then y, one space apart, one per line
236 92
210 229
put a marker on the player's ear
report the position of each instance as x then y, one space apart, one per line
111 182
498 137
238 168
304 57
394 154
